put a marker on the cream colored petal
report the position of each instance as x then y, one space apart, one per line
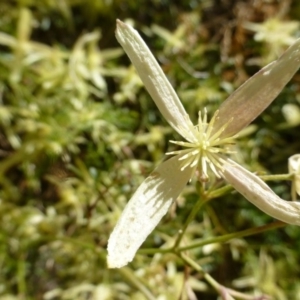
294 167
256 94
154 79
145 209
259 194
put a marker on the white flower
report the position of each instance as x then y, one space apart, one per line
205 146
294 168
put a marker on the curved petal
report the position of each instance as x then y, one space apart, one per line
259 194
154 79
257 93
145 209
294 168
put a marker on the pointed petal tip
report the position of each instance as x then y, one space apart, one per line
154 79
145 209
120 23
116 262
118 254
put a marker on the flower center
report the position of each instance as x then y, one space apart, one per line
207 149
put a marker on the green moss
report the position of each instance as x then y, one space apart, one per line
78 133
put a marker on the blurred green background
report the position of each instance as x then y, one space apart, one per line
78 134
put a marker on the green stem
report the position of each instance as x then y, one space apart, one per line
132 278
277 177
227 237
218 287
223 291
191 216
21 274
220 192
155 250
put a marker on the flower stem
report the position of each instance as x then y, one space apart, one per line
239 234
218 287
191 216
224 292
277 177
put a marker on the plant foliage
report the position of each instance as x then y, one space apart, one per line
78 134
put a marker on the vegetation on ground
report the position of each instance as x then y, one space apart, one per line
79 133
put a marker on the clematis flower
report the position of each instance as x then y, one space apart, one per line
205 147
294 168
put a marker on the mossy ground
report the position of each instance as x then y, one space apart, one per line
78 134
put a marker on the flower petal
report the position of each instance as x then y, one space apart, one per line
154 79
145 209
294 167
257 93
259 194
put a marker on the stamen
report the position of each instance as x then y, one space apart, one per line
211 124
219 132
205 116
203 150
184 144
189 131
185 156
187 163
213 168
200 126
216 161
178 152
195 162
